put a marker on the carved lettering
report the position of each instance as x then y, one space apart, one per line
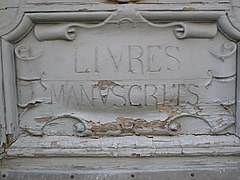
114 59
132 59
129 95
59 98
146 94
96 60
137 57
104 95
84 94
176 62
151 56
193 93
119 95
90 95
87 69
179 92
119 75
164 93
72 97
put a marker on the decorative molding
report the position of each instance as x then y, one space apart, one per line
187 30
23 52
30 19
130 146
72 124
63 26
68 31
53 32
63 31
167 16
20 31
9 93
32 80
228 29
226 66
238 94
73 127
228 49
220 17
202 29
3 137
233 14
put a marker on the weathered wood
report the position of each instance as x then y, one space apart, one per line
2 103
13 12
201 2
214 168
238 94
10 96
188 145
163 77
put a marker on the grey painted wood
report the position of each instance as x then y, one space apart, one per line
2 104
10 97
136 1
238 95
208 168
126 146
171 72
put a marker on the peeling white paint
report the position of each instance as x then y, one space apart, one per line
89 81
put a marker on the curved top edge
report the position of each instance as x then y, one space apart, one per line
68 16
20 31
227 28
29 19
221 17
182 16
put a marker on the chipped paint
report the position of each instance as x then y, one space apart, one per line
173 120
129 126
104 84
188 9
54 144
122 1
42 119
152 79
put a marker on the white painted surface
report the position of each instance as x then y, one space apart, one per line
119 70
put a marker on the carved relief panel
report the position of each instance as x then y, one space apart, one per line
120 74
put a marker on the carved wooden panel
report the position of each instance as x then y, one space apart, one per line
126 72
120 76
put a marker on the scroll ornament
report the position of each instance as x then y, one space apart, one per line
185 30
68 31
226 60
55 32
24 52
191 30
